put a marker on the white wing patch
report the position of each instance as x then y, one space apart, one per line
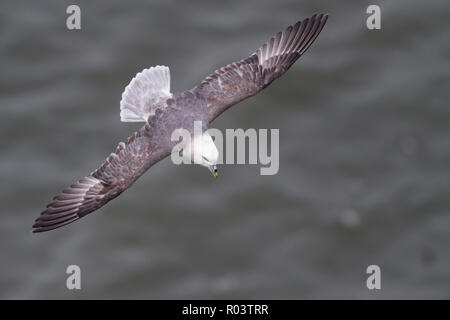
147 91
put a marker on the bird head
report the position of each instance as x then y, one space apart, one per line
209 154
203 151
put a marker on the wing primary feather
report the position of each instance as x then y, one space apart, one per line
119 171
242 79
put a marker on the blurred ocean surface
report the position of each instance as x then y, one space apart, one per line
364 174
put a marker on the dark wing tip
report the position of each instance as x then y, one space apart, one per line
71 204
287 46
314 26
242 79
130 160
58 214
42 226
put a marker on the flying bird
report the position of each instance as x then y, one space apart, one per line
148 99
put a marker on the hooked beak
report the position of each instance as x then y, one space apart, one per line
213 170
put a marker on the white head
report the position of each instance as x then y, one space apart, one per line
203 151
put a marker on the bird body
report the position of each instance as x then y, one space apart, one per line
148 99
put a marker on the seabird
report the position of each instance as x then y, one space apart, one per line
148 98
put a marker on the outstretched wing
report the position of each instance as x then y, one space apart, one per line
120 170
242 79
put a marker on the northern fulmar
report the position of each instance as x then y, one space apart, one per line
148 98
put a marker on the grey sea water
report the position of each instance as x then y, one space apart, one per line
364 173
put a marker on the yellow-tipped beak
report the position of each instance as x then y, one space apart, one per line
213 170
